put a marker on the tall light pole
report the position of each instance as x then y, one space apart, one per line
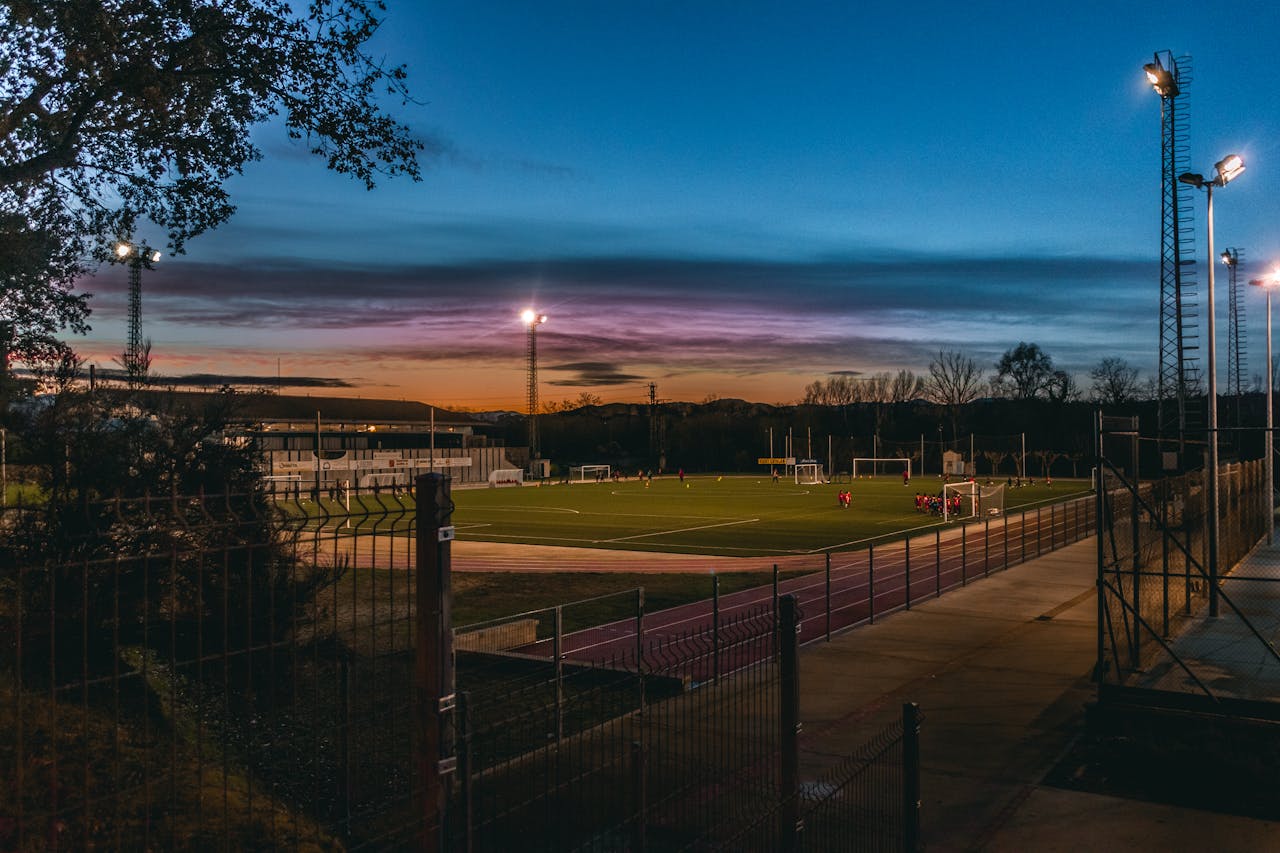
1169 77
1236 347
532 320
1227 169
137 256
1268 284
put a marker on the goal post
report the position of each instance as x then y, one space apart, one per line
899 463
976 500
808 473
588 473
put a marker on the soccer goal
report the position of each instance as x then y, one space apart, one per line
976 500
809 473
588 473
894 465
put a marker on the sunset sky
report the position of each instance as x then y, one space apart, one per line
729 199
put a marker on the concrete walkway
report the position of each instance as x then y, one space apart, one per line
1000 670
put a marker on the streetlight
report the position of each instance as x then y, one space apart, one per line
1228 169
532 320
137 255
1268 284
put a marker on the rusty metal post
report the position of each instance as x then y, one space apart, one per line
433 654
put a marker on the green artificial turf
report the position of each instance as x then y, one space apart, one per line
730 516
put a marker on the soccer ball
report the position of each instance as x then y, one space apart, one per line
686 485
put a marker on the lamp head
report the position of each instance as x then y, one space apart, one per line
1230 258
154 256
532 318
1161 79
1195 179
1268 281
1228 168
123 250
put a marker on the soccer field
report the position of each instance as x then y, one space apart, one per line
729 516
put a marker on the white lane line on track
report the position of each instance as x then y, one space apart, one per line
681 530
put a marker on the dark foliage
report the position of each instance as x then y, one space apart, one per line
154 532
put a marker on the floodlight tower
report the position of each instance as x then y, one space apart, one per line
532 320
137 256
1226 170
1178 415
1236 336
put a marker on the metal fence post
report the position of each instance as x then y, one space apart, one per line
828 596
906 564
557 649
640 644
715 626
1052 526
1037 531
964 557
1022 537
789 726
986 547
937 563
776 617
910 777
433 652
871 583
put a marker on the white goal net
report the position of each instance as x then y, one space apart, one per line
588 473
972 500
809 473
869 466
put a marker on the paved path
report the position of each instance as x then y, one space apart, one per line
1000 670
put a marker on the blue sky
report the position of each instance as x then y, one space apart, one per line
730 199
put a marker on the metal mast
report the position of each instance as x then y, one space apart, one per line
138 256
1237 348
1180 412
532 321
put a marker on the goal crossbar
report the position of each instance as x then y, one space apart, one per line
869 467
588 473
808 473
975 499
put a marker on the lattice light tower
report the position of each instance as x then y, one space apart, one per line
1179 409
532 320
137 256
1237 349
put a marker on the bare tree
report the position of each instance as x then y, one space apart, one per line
1114 381
906 386
954 379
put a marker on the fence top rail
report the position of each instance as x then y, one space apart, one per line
499 620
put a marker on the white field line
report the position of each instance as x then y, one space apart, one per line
680 530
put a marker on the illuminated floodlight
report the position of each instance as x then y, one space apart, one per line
155 257
1229 168
123 249
1161 79
1230 258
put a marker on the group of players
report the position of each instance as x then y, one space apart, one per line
933 504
